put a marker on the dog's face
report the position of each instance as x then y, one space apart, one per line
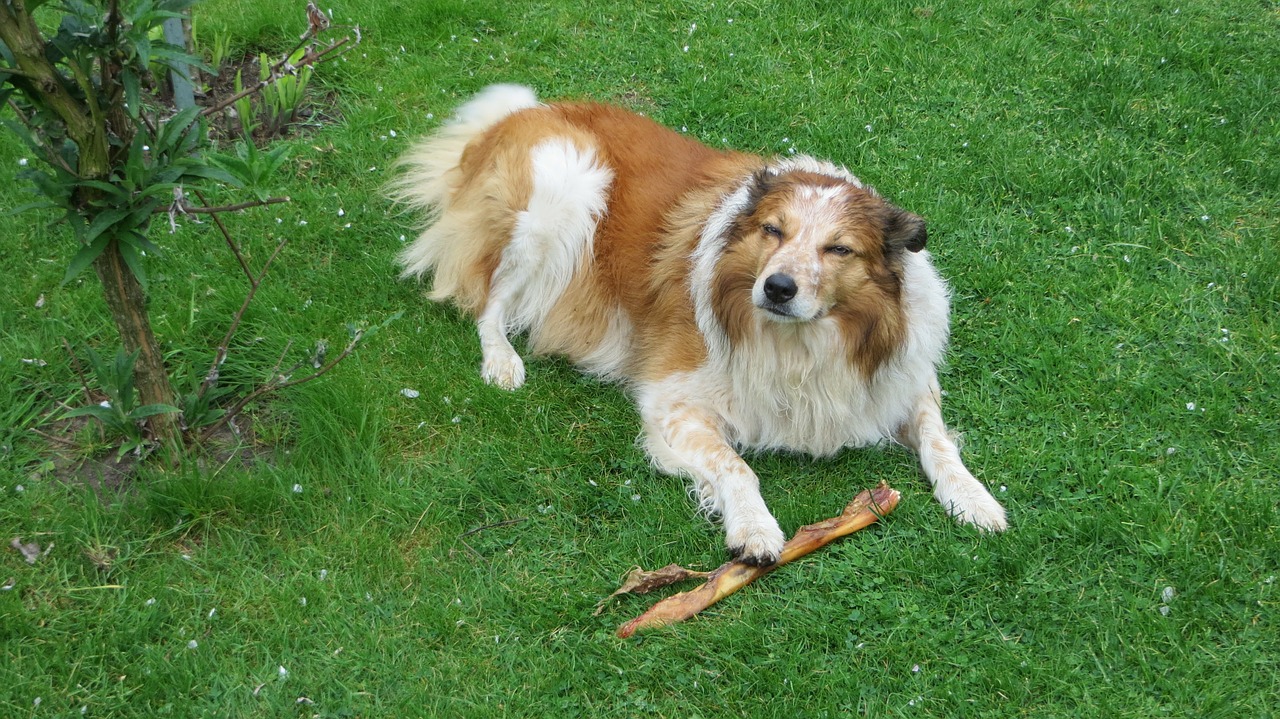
819 242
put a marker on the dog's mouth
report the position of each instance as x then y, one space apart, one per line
785 313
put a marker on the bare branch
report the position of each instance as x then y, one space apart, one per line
276 385
274 74
194 210
235 249
220 355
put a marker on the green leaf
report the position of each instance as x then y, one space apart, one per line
173 130
85 257
131 92
105 187
133 259
104 221
37 205
97 411
151 410
198 170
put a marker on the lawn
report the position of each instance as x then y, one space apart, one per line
1102 183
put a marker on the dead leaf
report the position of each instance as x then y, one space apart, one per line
30 550
639 581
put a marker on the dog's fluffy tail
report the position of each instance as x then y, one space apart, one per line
425 173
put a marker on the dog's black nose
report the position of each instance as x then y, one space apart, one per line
779 288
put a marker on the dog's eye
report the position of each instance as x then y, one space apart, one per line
840 250
772 230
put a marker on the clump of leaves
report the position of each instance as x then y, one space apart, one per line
120 414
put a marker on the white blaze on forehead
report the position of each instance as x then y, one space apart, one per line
810 219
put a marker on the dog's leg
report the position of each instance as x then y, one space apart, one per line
501 366
551 239
684 439
964 497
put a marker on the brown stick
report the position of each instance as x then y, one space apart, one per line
863 511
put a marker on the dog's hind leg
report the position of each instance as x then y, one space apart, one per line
963 496
552 238
685 439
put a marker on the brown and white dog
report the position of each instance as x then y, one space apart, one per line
747 303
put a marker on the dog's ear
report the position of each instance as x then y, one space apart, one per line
904 231
757 187
761 182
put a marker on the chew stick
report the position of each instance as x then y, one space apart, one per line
863 511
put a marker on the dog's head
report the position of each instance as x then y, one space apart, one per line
817 241
809 246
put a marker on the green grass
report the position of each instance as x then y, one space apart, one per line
1101 181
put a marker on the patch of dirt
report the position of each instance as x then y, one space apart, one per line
76 455
212 89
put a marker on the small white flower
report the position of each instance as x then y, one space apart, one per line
282 672
431 116
456 420
1167 594
37 701
212 612
302 223
1004 488
1126 258
1171 451
323 574
391 133
1069 230
192 644
868 128
1191 406
302 601
1204 218
410 393
297 489
915 669
341 212
635 498
19 488
1164 610
22 162
150 601
686 48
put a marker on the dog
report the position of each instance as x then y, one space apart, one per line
747 303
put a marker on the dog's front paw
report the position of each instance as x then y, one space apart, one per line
505 370
978 508
757 543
